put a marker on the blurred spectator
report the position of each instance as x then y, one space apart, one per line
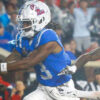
58 30
67 46
5 89
4 18
10 8
21 91
95 23
5 37
77 3
14 2
2 8
71 55
68 51
91 86
18 91
55 11
83 16
68 22
93 3
30 81
94 45
63 5
57 2
12 27
73 47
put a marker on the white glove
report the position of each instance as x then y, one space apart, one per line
68 70
72 69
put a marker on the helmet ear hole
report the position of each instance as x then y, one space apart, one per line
43 18
40 21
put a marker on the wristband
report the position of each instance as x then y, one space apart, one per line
3 67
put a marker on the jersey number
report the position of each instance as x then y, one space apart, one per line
48 74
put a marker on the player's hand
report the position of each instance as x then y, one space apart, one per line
68 70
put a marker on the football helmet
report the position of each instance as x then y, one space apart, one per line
33 17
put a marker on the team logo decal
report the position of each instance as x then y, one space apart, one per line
39 11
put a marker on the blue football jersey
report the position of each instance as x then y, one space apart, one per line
47 71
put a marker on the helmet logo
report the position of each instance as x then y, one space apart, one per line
32 6
39 11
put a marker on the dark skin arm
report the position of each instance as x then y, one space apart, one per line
13 57
91 56
35 57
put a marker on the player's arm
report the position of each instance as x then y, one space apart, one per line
13 57
91 56
81 61
34 58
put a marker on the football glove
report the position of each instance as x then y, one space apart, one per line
68 70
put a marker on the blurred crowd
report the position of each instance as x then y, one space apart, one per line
15 91
77 23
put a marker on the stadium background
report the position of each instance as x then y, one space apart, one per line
64 23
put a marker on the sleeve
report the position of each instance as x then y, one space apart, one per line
18 49
47 36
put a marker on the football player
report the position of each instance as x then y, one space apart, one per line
39 47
